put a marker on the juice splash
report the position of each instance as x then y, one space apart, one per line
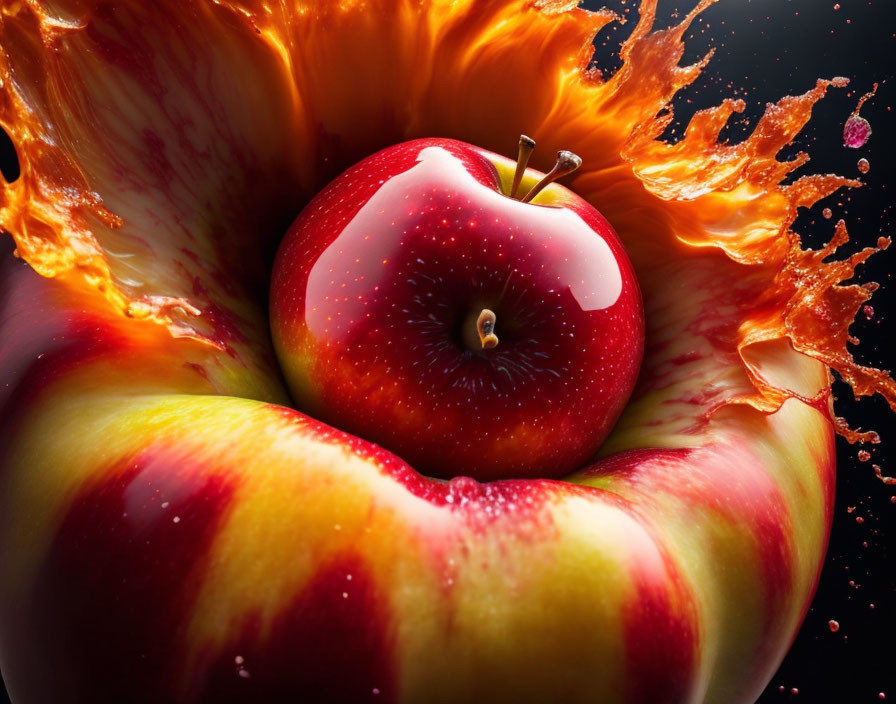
152 196
711 194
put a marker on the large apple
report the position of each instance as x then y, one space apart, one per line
171 531
383 287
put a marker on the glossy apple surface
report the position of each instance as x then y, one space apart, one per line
377 287
171 531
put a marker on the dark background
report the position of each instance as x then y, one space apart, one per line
766 49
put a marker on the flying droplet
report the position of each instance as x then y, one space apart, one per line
857 130
864 455
833 625
827 213
863 166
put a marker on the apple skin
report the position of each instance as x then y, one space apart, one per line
176 538
677 572
378 275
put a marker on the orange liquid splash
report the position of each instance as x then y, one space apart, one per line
708 194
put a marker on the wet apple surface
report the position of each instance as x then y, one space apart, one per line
378 288
172 531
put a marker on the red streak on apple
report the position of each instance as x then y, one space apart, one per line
42 344
661 632
331 644
377 280
751 497
49 339
142 531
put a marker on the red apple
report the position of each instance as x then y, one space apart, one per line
383 282
171 532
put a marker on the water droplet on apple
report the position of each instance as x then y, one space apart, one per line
464 488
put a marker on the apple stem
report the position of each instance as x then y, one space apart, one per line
527 146
567 162
480 333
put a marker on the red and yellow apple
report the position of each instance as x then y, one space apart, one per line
172 531
380 287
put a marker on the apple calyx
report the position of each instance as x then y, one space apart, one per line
479 331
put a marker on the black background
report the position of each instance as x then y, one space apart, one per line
766 49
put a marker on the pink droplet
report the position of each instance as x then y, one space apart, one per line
868 311
856 132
